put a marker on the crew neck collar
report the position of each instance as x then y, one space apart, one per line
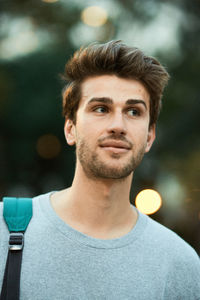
79 237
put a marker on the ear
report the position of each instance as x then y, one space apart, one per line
150 137
69 131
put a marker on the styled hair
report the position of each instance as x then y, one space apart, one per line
113 58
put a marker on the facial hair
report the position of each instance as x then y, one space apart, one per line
95 168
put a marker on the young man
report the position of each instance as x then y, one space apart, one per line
88 241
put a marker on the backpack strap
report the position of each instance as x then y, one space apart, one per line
17 214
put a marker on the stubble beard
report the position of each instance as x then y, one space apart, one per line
95 168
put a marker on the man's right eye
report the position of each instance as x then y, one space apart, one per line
100 109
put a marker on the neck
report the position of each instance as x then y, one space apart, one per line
100 208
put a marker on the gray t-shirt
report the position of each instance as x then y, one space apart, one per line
150 262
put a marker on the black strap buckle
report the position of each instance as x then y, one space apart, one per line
16 241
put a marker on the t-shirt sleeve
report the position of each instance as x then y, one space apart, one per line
183 280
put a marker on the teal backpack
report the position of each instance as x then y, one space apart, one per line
17 213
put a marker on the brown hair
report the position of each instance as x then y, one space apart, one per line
114 58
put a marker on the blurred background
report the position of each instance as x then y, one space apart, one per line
37 37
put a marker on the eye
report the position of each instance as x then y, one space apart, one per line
133 112
100 109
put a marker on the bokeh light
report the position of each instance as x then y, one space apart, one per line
48 146
20 37
148 201
94 16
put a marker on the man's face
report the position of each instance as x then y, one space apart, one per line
112 127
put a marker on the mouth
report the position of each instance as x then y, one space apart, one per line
115 146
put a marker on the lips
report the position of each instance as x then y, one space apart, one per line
115 144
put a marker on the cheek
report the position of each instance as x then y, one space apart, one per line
88 129
87 134
141 140
140 134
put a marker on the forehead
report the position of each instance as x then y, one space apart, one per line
116 88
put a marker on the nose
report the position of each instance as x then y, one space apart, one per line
117 125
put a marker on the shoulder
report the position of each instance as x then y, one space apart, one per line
1 211
179 253
180 259
167 240
35 200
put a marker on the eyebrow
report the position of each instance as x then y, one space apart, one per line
107 100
